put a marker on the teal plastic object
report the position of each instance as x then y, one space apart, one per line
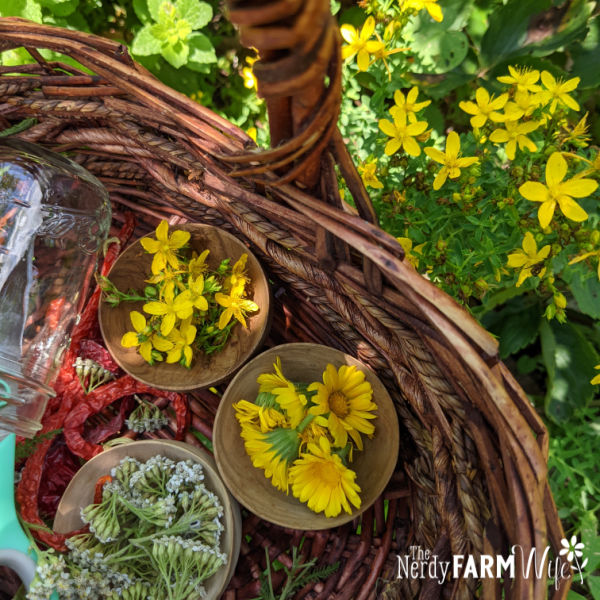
15 548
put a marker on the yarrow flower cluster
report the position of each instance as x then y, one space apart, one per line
303 435
190 306
153 534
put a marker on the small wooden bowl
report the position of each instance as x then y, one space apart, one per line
132 269
302 363
80 493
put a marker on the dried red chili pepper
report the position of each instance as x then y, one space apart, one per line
98 489
68 392
105 395
102 432
96 352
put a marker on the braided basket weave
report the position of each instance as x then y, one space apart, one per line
471 472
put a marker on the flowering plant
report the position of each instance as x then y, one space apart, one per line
303 435
189 306
154 532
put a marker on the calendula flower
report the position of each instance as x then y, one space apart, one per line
402 134
529 259
409 253
484 107
273 451
596 379
269 381
143 337
235 306
197 266
170 309
320 479
431 6
359 43
163 246
556 191
408 104
196 288
265 417
292 402
513 134
344 398
558 91
182 340
525 79
368 172
452 164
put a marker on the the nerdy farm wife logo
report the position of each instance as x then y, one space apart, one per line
422 564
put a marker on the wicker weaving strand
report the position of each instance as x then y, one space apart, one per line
471 473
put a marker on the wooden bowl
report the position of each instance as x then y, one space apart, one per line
130 271
80 493
303 363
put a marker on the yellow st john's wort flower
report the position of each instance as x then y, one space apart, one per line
269 381
529 260
408 104
585 256
170 309
164 245
248 73
409 252
368 173
167 278
525 79
452 163
196 288
556 191
143 337
197 266
235 306
238 279
513 134
359 42
402 134
320 478
431 6
182 340
596 379
265 417
484 107
558 91
273 451
578 134
522 105
344 398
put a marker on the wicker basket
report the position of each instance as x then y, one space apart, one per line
471 472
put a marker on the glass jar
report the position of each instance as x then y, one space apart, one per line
54 217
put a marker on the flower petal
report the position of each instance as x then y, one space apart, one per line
162 232
411 146
179 239
578 188
556 169
436 155
529 244
150 244
534 191
129 340
348 33
546 212
452 144
571 209
387 127
137 320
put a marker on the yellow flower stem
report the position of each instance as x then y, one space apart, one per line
305 423
576 156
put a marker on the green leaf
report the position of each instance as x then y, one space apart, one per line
197 14
589 536
201 50
335 6
585 287
28 9
176 54
154 8
515 324
593 582
144 43
140 8
18 127
507 31
585 55
569 359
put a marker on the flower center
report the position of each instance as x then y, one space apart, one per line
338 403
329 474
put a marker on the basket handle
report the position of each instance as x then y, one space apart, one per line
299 75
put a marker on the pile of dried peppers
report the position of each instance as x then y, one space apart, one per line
70 409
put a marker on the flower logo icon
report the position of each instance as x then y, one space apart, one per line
571 548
